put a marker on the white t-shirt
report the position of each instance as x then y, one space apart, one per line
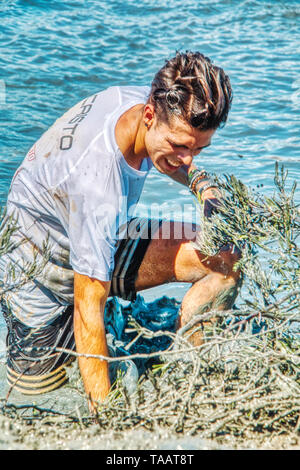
76 188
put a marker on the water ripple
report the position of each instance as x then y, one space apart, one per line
56 53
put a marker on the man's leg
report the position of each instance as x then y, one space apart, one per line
170 257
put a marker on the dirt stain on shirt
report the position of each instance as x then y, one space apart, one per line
73 206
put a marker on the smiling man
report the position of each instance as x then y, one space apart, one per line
78 186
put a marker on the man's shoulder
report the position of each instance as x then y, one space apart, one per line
134 92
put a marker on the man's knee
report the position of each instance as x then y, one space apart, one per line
225 263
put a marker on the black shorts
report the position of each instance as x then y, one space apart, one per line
129 256
33 364
32 370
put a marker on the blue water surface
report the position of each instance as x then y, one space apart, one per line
54 53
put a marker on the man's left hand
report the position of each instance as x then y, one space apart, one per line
211 206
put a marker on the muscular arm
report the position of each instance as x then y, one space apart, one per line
90 296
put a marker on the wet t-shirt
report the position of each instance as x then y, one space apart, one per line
75 191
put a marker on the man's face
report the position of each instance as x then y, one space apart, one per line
173 145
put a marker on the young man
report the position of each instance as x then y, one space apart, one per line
77 186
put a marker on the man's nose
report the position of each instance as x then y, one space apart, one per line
186 156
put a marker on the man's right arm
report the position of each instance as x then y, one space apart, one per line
90 296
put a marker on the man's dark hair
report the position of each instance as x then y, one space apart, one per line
191 87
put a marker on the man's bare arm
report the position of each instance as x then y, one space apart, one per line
90 296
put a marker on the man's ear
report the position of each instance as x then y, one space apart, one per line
149 115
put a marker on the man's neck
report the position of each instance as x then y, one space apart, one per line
130 136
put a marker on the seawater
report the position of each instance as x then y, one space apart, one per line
54 54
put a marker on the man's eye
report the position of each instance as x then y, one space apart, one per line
177 145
